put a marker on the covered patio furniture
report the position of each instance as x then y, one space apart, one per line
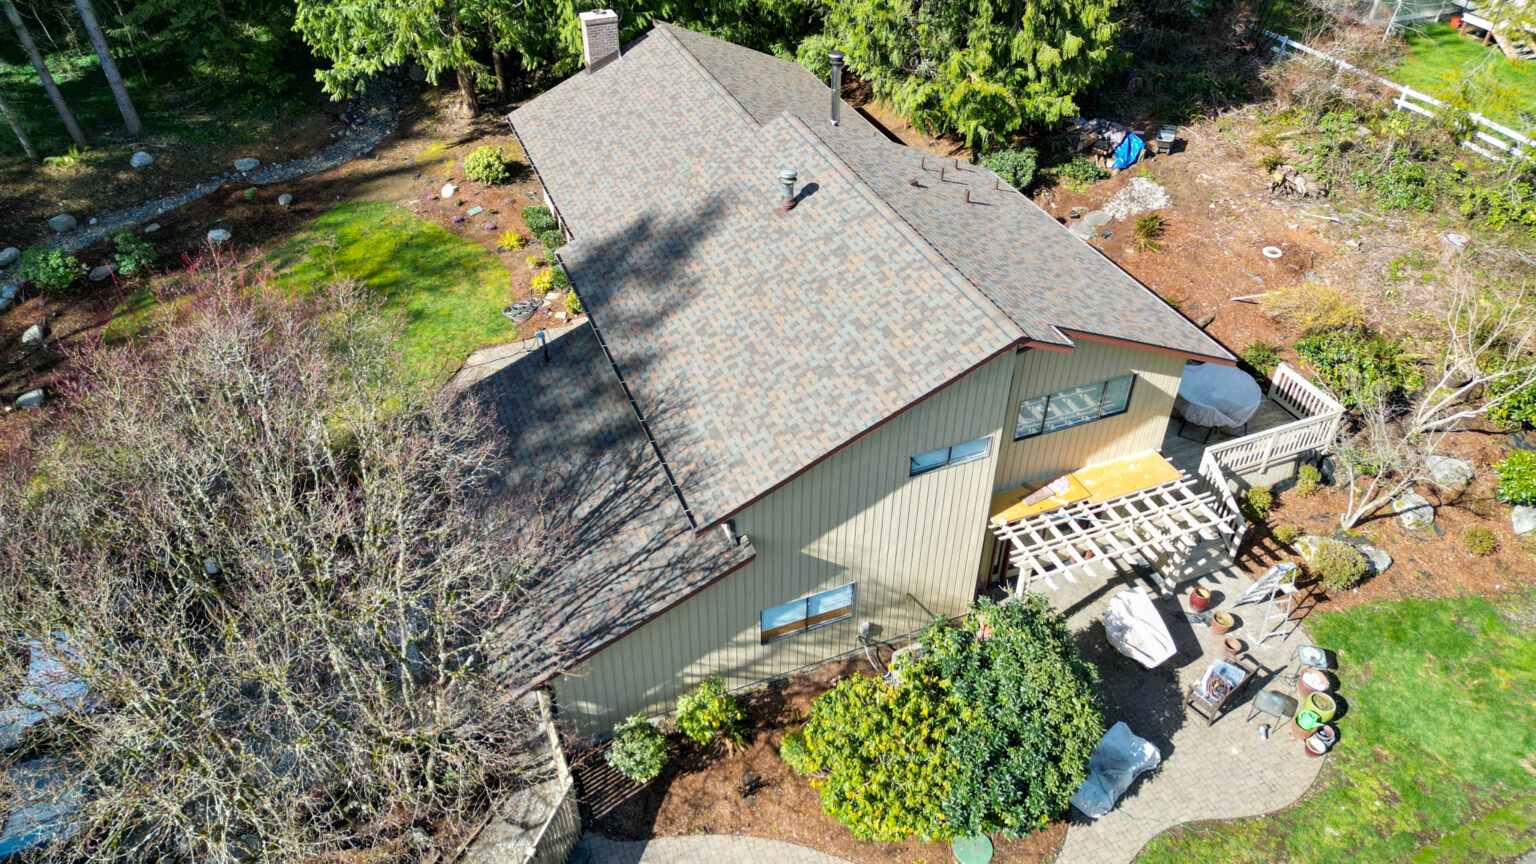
1136 629
1210 696
1274 703
1119 759
1217 396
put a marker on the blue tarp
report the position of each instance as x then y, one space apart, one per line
1128 151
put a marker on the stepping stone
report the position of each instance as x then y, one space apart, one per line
141 160
8 255
1082 229
63 222
30 399
1097 218
100 274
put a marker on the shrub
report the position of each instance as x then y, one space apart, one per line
512 241
1288 533
709 710
572 304
1517 478
1308 481
552 239
1313 307
1336 564
1403 185
558 280
1510 205
534 261
1147 231
1270 162
1256 504
1480 542
49 270
542 282
1351 361
134 253
487 165
1079 171
638 750
539 219
796 755
1015 166
1261 358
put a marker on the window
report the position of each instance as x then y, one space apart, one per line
806 614
957 454
1073 406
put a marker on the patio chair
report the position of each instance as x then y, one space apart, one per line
1274 703
1208 698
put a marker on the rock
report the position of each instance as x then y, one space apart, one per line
1377 558
92 222
141 160
1414 511
151 227
1205 321
1450 473
417 73
1307 545
247 164
218 235
1454 242
1524 520
1082 229
30 399
284 199
9 255
33 335
1097 218
448 190
5 303
63 222
8 292
100 274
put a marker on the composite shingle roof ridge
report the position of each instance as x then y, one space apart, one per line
715 84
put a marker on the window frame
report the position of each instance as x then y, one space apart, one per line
1045 412
949 456
804 621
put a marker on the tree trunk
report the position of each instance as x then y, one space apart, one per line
499 63
229 37
467 91
21 134
42 72
114 78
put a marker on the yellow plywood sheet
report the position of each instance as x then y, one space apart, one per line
1009 507
1100 482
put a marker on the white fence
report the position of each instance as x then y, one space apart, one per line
1319 424
1488 134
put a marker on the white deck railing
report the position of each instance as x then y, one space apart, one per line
1320 417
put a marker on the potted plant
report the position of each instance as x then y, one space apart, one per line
1231 647
1199 598
1312 680
1321 704
1222 622
1304 724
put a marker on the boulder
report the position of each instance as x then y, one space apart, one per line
33 335
100 274
63 222
8 292
218 235
1450 473
448 190
1524 520
141 160
151 227
246 164
1414 511
8 255
31 399
1377 558
284 199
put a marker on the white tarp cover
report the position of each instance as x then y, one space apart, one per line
51 689
1211 394
1119 759
1136 629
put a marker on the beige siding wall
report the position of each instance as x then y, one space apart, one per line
1141 427
909 543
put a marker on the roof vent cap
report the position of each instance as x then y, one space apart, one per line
787 178
835 60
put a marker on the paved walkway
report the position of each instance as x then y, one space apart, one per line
703 849
1217 772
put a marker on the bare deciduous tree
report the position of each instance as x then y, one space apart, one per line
278 568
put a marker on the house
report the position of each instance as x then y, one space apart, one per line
815 356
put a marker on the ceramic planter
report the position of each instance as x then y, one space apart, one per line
1321 704
1311 681
1315 748
1221 622
1199 599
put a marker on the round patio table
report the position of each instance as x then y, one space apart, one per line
1217 396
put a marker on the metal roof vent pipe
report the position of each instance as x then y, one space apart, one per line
835 59
787 179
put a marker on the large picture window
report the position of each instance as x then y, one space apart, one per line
1073 406
956 454
805 614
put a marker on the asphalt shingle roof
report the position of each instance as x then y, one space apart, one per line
756 344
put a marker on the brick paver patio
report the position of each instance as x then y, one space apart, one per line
703 849
1219 772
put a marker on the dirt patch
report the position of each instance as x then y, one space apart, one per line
701 791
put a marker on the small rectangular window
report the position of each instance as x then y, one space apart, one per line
1117 395
1073 406
930 460
805 614
970 451
956 454
1031 417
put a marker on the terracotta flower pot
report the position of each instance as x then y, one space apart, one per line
1298 731
1311 680
1315 748
1221 622
1199 599
1232 646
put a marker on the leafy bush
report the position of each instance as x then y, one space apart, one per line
1261 358
1517 478
542 282
1511 205
1480 542
1016 166
487 165
558 280
1308 481
1403 185
1351 361
1313 307
1336 564
797 755
512 241
573 304
709 710
49 270
1270 162
134 253
1079 171
638 750
1288 533
539 219
552 239
1256 504
1147 231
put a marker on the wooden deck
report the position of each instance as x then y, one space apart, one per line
1184 450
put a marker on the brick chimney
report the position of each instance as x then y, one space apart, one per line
599 37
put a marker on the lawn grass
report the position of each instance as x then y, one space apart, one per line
1438 56
1437 755
450 291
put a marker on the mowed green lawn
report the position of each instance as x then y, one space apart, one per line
1437 56
449 291
1437 755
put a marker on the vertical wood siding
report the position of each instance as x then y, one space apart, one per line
857 517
